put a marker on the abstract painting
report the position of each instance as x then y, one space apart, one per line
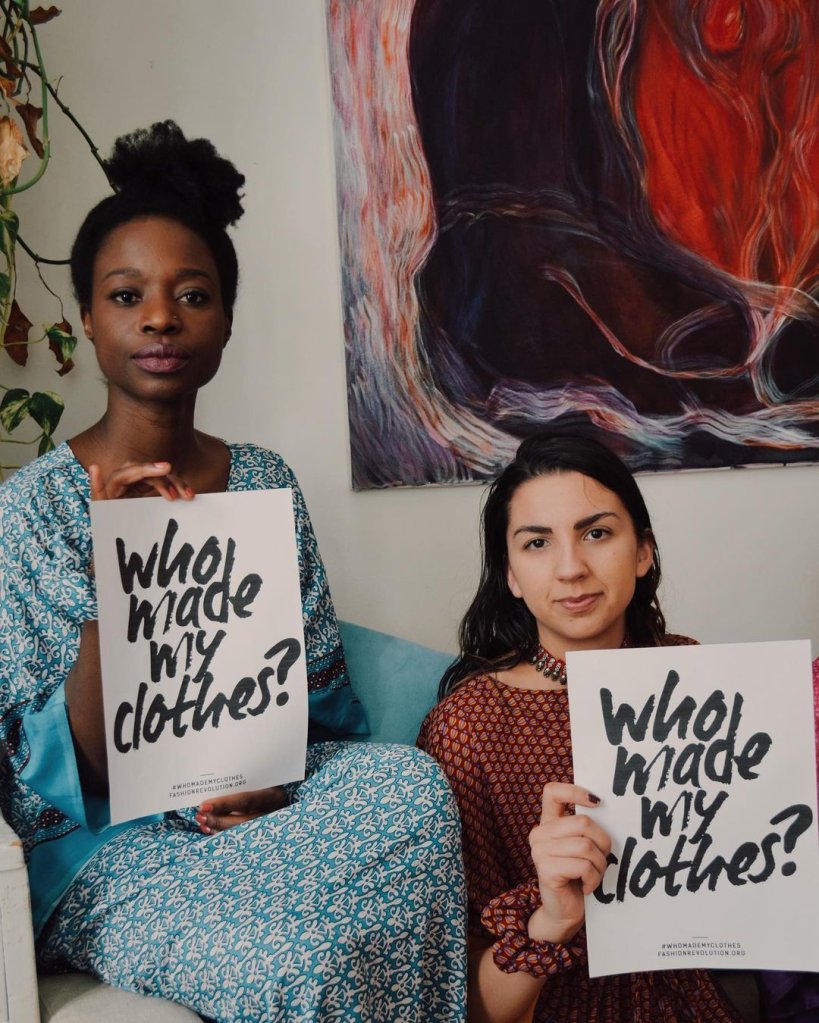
600 215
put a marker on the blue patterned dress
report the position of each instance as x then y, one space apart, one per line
347 904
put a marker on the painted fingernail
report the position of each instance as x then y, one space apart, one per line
201 818
205 830
593 798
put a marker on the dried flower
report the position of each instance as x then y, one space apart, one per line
12 150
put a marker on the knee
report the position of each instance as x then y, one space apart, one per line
399 774
418 781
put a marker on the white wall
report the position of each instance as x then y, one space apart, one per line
740 548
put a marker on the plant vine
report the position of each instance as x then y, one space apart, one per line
24 130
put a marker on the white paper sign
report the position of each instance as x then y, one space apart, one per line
704 760
202 649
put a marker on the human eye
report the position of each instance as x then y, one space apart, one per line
194 297
124 296
536 543
598 533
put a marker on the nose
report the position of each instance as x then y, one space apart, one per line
570 562
159 315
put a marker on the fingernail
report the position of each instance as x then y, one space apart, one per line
201 818
593 798
161 465
205 830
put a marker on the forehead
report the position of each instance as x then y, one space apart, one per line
561 498
153 243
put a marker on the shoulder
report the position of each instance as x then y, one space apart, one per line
51 491
258 468
58 468
458 711
45 542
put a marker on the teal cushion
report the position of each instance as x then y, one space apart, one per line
396 681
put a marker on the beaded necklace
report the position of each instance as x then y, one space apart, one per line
549 666
552 667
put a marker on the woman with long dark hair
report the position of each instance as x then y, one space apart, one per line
338 899
569 563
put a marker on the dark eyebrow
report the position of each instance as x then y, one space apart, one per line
580 525
181 273
537 530
591 519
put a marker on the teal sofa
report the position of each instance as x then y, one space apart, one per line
397 681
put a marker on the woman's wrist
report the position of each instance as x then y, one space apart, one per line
541 927
509 916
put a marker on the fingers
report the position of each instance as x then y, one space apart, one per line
575 848
569 848
211 823
559 796
255 801
176 488
139 479
96 483
238 808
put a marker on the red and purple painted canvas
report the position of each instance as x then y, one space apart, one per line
597 214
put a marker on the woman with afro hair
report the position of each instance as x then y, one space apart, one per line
339 898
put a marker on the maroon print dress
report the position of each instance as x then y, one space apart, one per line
499 745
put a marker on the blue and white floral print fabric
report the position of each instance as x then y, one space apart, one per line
347 905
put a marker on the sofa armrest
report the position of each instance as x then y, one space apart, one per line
18 978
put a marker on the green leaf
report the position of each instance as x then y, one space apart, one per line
46 444
46 408
14 408
5 287
62 343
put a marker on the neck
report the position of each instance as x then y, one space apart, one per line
140 432
612 639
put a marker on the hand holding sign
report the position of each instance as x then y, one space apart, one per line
569 852
239 808
138 479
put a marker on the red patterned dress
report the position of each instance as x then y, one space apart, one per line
499 745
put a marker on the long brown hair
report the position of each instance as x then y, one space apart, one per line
499 630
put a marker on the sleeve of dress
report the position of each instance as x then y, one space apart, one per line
446 735
495 909
335 711
46 596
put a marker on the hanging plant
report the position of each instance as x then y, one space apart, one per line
23 134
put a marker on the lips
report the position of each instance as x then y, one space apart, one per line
158 358
578 605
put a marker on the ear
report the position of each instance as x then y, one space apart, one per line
512 582
228 328
87 325
645 554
